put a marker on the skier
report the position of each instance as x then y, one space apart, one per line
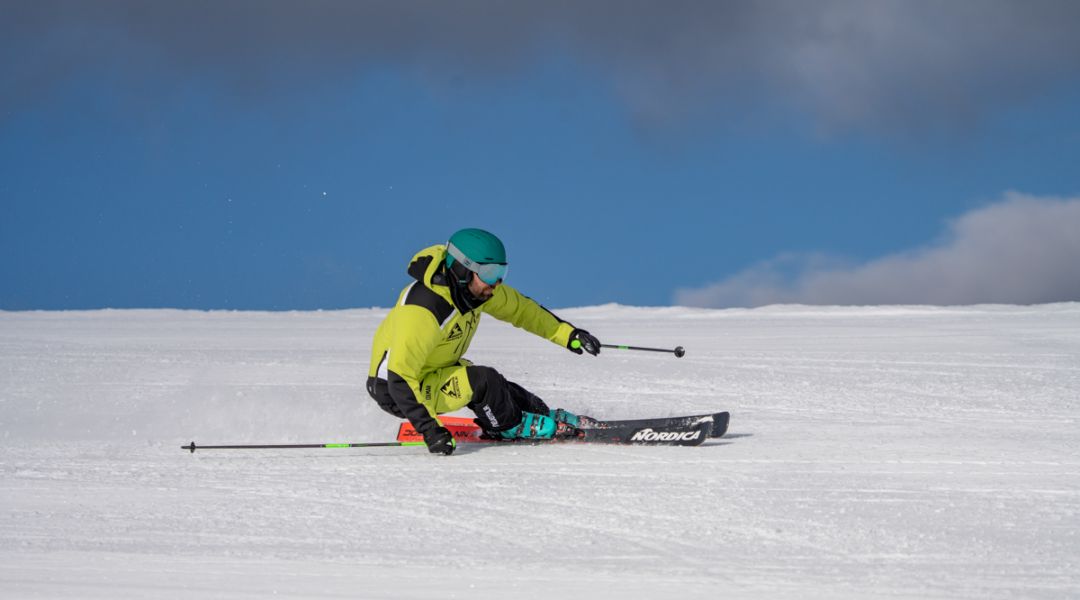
417 371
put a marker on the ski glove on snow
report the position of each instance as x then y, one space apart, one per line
581 340
439 441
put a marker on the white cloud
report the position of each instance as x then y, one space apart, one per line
1022 250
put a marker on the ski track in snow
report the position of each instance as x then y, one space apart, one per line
888 452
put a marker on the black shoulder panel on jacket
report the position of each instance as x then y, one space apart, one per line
420 295
407 403
418 267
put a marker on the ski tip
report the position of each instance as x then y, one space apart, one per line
720 424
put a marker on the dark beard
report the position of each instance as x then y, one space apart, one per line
463 299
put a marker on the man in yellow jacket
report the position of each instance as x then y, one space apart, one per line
417 367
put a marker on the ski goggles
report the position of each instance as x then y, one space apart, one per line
489 273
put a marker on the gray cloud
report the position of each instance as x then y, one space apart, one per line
878 64
1022 250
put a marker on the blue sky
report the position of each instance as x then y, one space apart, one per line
205 156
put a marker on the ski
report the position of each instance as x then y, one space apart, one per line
654 433
669 431
719 422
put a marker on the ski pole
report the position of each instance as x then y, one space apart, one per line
193 447
678 350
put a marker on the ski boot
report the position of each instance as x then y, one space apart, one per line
565 417
569 420
531 427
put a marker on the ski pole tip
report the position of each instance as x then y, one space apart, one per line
679 353
191 447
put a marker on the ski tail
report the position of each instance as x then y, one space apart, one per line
463 429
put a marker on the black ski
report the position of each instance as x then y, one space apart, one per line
651 432
718 423
664 431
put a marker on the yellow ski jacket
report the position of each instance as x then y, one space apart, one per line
425 332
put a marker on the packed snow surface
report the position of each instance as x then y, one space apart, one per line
887 452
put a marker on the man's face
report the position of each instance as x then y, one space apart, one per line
479 289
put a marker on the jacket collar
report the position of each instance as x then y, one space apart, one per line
427 268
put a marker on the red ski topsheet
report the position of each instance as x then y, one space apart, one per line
462 428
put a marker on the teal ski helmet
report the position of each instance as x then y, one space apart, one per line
478 251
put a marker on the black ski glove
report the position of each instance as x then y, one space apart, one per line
583 340
439 441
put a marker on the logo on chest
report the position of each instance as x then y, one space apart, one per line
455 333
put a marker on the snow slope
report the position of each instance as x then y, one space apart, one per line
907 452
